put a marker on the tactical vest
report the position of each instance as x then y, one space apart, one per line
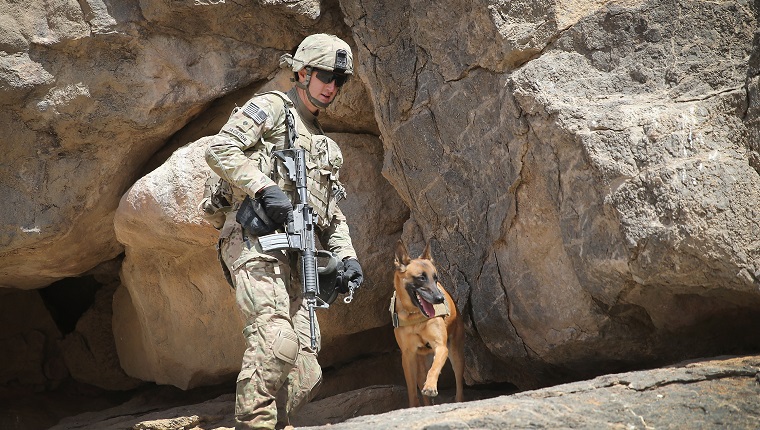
323 162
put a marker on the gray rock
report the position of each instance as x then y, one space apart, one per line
710 394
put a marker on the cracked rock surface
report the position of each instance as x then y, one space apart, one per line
716 393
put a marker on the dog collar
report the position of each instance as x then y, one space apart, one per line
441 310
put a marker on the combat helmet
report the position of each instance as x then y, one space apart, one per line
323 52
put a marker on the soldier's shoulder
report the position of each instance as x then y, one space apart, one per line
272 98
269 102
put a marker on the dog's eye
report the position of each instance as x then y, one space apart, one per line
422 278
435 277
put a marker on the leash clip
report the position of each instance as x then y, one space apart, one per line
351 289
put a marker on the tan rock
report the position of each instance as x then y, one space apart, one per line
177 322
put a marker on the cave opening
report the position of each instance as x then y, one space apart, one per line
68 299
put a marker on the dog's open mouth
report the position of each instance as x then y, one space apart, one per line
425 307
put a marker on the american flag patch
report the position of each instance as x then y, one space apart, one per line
255 113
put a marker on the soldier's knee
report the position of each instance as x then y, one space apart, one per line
285 345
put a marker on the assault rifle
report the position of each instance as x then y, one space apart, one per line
299 234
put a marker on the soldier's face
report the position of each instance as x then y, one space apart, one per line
324 92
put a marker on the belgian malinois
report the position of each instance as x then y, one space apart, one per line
427 326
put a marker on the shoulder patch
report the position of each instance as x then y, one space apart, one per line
239 134
255 113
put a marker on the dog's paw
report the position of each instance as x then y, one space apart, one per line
430 392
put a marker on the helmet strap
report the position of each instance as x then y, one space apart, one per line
305 86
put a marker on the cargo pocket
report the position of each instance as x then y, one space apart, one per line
245 375
244 394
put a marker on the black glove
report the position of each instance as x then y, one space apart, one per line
353 272
276 204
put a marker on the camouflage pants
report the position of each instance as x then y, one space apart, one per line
280 371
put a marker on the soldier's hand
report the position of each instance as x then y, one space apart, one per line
352 272
276 204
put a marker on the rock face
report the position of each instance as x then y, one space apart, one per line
717 394
588 174
594 190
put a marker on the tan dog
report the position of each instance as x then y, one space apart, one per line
427 326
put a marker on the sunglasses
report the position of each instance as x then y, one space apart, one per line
327 77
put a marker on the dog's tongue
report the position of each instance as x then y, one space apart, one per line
427 307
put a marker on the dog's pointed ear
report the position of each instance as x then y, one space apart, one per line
402 256
426 255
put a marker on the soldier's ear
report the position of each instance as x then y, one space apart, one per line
301 75
402 257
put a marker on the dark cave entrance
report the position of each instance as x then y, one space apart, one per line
68 299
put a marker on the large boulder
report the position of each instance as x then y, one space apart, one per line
92 92
175 317
592 189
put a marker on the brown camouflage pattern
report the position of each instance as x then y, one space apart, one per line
269 387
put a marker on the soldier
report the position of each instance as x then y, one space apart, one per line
280 371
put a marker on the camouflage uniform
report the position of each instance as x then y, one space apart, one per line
280 371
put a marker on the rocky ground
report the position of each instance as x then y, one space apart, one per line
716 393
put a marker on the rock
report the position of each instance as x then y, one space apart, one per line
585 217
175 317
710 393
90 352
94 102
28 339
698 393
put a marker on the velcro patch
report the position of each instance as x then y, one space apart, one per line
239 134
255 113
285 346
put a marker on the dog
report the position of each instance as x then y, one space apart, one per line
427 326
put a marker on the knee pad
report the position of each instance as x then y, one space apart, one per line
285 346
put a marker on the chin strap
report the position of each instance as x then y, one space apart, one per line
305 86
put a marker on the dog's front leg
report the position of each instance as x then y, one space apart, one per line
424 361
409 363
431 383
